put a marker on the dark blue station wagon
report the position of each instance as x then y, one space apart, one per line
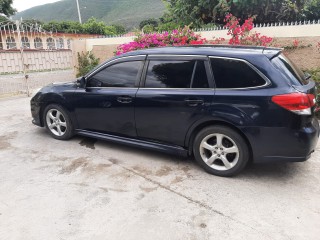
223 105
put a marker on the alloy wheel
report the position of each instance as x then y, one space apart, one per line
56 122
219 152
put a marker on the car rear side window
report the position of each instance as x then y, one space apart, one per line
294 75
233 73
176 74
122 74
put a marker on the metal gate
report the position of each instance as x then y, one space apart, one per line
31 57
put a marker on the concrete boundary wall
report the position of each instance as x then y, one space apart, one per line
16 83
11 61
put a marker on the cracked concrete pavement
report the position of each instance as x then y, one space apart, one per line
89 189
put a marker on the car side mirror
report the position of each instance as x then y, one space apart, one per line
81 82
307 75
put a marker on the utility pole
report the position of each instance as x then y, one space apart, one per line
79 13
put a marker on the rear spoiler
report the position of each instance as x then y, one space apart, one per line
271 52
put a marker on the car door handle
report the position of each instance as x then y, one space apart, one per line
124 99
194 102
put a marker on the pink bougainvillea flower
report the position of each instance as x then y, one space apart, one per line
241 34
178 37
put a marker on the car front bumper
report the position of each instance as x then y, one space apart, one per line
36 113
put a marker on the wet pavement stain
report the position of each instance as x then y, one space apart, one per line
114 160
177 179
4 140
163 171
75 164
4 144
88 142
142 170
148 190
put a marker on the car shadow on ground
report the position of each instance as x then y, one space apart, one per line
271 171
265 171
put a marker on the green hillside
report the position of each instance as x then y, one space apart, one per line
127 12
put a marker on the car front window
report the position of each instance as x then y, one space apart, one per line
122 74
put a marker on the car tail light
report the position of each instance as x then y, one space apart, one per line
299 103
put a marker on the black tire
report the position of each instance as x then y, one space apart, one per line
231 141
61 121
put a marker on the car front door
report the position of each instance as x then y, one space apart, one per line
106 104
176 93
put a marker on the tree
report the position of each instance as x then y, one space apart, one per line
197 12
269 10
92 26
213 11
120 29
6 8
313 10
110 30
3 19
150 21
64 27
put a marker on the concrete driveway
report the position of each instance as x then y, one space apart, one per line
88 189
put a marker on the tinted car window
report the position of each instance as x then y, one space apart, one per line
169 74
290 70
200 79
231 73
118 75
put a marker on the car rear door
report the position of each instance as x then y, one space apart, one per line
175 93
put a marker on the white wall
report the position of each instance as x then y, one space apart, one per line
275 31
106 41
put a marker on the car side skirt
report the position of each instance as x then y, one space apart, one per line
170 149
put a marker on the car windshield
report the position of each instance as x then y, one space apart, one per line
290 70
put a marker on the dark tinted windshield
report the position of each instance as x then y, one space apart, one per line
290 70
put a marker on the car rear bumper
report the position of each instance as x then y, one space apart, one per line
271 144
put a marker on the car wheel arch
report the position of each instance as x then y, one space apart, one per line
198 127
59 103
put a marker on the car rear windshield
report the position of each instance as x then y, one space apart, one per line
290 70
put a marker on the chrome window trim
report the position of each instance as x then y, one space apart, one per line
111 61
190 89
112 88
267 80
177 55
